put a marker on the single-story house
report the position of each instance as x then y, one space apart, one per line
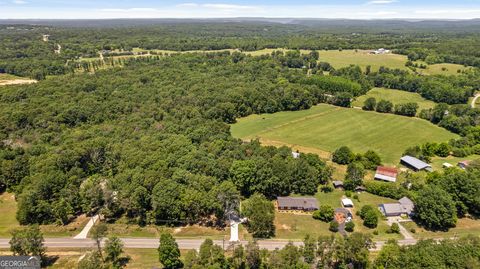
346 202
388 174
337 184
404 206
463 164
415 164
295 154
447 165
297 203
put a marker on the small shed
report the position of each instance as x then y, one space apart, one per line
388 174
337 184
447 165
415 164
463 164
347 202
295 154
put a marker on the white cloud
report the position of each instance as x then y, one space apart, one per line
19 2
450 11
381 2
188 5
228 6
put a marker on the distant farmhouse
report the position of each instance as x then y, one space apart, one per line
295 154
404 207
415 164
297 203
388 174
380 51
45 38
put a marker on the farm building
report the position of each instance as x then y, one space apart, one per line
415 164
403 207
447 165
337 184
463 164
295 154
297 203
346 202
380 51
388 174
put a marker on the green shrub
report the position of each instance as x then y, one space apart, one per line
333 226
325 213
349 226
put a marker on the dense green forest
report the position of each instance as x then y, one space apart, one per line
23 52
154 132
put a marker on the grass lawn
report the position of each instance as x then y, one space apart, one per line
437 162
325 128
396 97
154 231
8 208
442 69
362 58
69 230
464 227
296 226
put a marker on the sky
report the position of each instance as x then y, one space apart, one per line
349 9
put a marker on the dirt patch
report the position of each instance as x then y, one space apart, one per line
17 82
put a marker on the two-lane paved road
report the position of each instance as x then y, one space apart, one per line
182 243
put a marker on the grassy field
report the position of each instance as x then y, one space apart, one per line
464 227
325 128
442 69
296 226
190 231
363 58
8 208
396 97
437 162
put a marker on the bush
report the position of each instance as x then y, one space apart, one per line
349 226
325 213
369 216
333 226
384 106
412 230
369 104
355 196
348 194
395 228
375 232
327 188
343 155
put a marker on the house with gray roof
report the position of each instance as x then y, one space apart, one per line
415 164
297 203
404 207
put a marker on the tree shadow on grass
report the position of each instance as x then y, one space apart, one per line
49 260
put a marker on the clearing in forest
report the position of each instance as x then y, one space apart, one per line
396 97
326 128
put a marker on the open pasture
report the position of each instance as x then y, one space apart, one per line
326 128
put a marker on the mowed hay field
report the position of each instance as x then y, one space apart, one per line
394 96
362 58
442 69
326 128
